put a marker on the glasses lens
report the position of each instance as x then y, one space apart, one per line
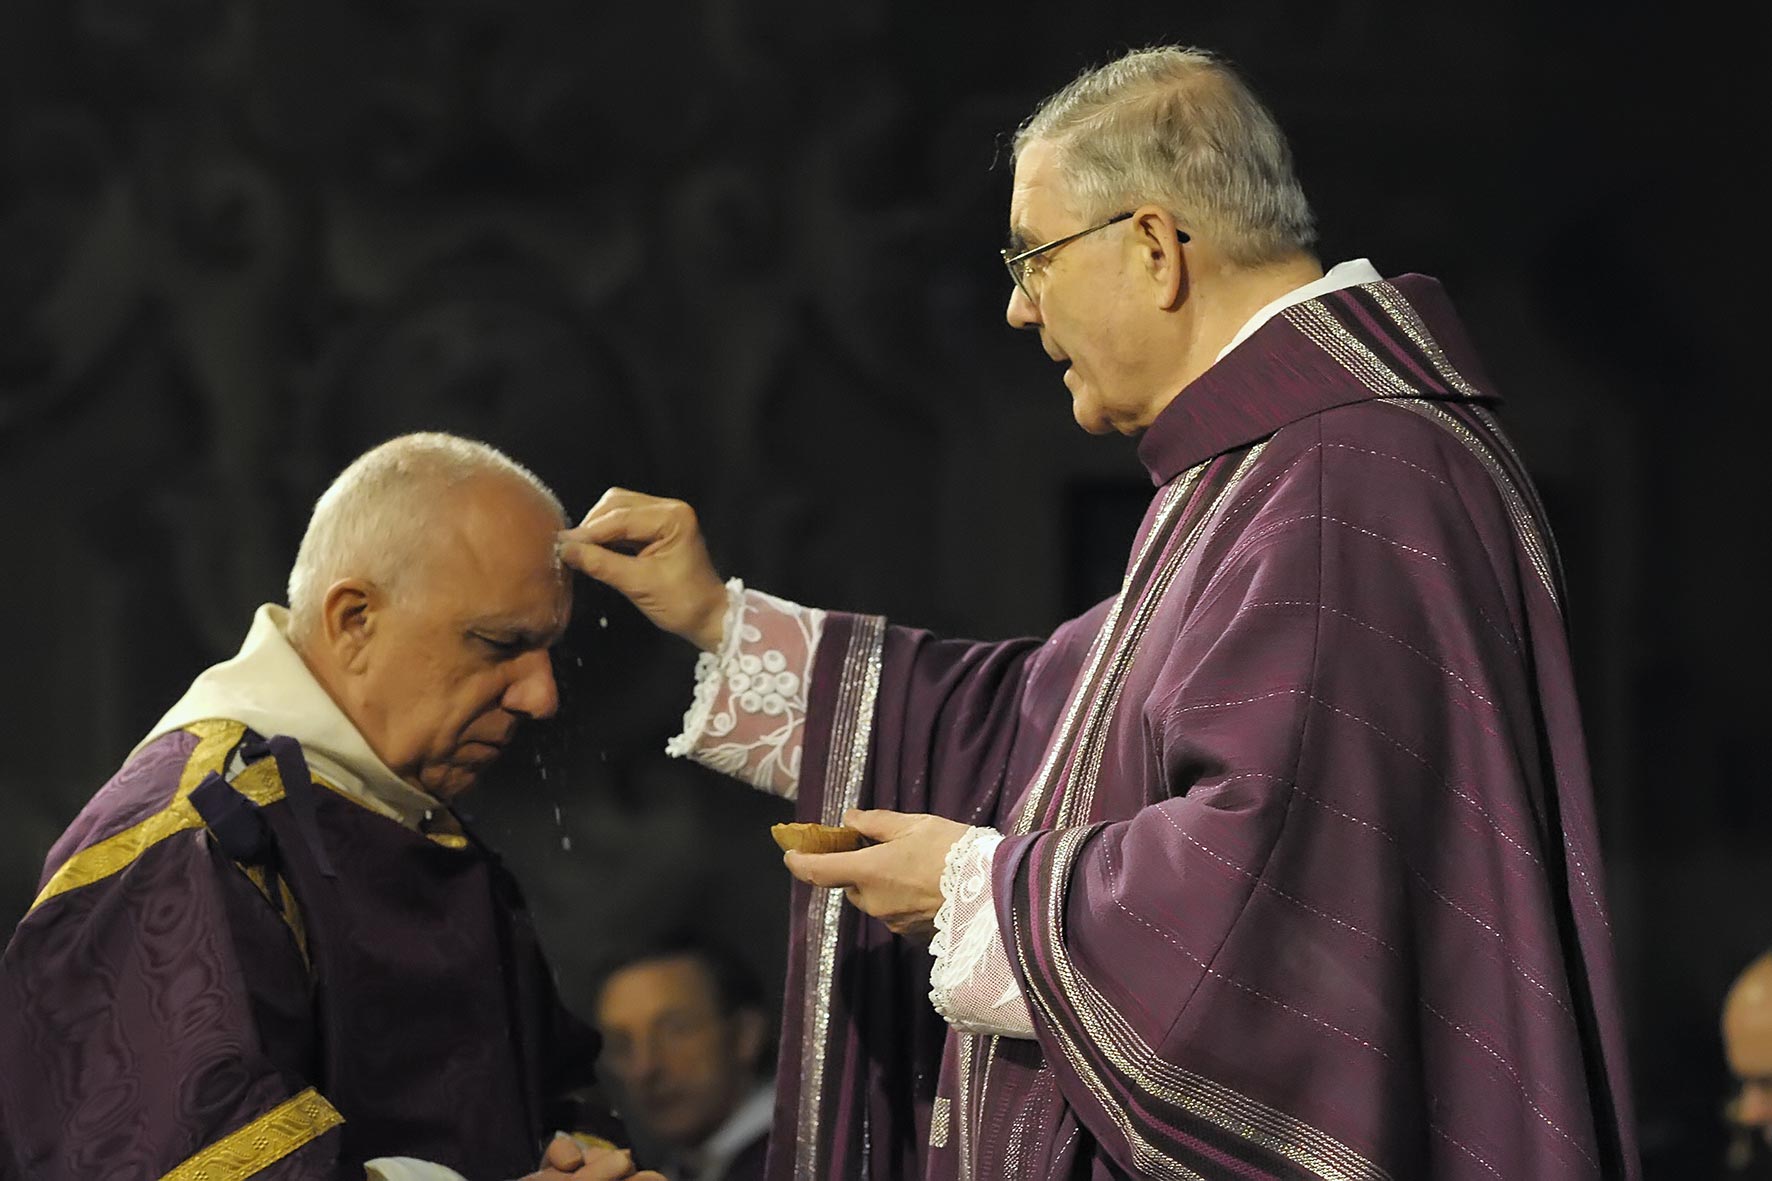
1018 271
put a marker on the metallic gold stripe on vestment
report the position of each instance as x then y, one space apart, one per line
852 730
215 739
263 1142
938 1122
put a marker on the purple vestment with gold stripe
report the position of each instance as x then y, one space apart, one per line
1303 875
233 972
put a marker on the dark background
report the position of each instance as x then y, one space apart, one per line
742 251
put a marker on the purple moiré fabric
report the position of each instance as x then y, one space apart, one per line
147 1015
128 1030
1307 879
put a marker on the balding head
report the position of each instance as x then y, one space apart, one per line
1176 127
425 597
1747 1041
379 519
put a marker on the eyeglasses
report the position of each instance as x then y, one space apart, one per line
1020 266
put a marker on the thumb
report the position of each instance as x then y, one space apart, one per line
880 824
603 564
564 1153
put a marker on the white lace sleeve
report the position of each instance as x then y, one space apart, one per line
748 716
971 984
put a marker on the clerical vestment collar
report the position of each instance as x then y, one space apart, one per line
1397 338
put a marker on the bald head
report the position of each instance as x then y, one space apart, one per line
425 599
1747 1041
1747 1020
381 519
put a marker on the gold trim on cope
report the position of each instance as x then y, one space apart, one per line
263 1142
215 739
938 1123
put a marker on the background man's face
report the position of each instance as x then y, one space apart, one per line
683 1063
1747 1040
459 657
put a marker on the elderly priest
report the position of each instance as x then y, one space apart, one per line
267 948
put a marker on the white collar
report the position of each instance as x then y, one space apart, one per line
1346 274
268 687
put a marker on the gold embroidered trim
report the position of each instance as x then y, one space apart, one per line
260 877
291 912
938 1123
215 740
263 1142
851 733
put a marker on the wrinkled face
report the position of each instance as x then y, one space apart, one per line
1092 303
452 664
684 1064
1747 1040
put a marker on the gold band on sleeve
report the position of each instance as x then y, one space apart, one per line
264 1141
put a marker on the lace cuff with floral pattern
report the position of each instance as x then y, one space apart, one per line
748 716
971 984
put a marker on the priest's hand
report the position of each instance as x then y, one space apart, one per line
650 549
568 1160
898 881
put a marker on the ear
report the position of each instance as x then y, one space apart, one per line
751 1027
1161 245
349 615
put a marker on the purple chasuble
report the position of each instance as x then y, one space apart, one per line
1303 875
232 972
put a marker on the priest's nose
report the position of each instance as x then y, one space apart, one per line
533 691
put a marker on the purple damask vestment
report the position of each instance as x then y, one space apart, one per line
234 972
1303 875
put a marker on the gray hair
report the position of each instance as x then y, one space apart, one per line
1175 126
372 521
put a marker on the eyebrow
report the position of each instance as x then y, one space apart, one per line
516 632
1019 238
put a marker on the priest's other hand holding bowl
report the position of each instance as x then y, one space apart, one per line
897 880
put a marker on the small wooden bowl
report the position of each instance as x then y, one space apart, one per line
816 838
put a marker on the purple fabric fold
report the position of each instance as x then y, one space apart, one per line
1304 876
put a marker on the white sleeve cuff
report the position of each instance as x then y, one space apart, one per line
748 715
405 1168
971 984
708 678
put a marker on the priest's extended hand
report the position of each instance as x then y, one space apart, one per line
650 549
898 881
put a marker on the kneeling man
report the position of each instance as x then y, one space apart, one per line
266 948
